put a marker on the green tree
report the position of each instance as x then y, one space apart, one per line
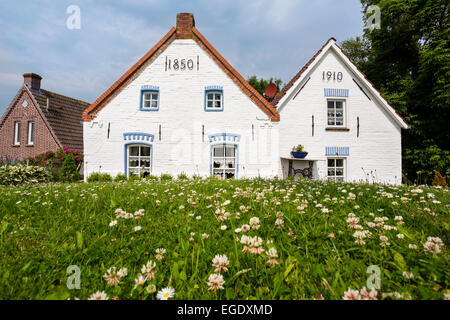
408 60
261 84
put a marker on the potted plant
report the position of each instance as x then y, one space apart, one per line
299 152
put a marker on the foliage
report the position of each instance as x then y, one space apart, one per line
165 177
23 174
408 59
261 84
299 148
55 159
182 176
120 177
69 170
99 177
46 228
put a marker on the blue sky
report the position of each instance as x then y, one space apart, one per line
267 38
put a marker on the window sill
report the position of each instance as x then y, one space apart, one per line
213 110
29 145
336 129
16 145
149 109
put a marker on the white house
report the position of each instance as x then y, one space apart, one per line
182 108
348 129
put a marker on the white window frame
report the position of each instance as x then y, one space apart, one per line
17 133
138 169
336 177
214 100
153 103
224 161
344 107
31 130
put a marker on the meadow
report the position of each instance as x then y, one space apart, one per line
224 239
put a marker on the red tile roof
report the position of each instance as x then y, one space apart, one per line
90 113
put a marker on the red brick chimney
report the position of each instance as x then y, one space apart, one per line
185 23
32 80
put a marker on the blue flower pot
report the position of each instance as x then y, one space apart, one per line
299 155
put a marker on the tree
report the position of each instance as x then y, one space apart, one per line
261 84
408 60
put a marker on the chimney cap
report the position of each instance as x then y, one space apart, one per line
32 80
32 75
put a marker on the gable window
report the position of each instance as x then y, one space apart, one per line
335 169
335 109
214 98
17 133
31 132
138 160
224 160
149 99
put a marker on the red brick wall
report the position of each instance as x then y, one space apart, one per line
43 140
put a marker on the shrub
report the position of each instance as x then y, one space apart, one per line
120 177
99 177
23 174
69 170
182 176
151 177
165 177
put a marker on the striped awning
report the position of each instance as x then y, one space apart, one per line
329 92
337 151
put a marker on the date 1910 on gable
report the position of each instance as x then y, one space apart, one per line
179 64
328 75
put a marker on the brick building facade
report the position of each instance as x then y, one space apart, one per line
38 120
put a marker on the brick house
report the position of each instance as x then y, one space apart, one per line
38 120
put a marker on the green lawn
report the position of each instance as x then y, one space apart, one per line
307 230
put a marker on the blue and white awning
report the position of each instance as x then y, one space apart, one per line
329 92
337 151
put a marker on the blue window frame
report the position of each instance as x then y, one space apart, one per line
214 98
149 98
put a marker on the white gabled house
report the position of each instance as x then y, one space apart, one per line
348 129
182 108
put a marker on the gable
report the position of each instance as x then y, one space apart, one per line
185 30
330 49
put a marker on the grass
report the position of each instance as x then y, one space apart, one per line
46 228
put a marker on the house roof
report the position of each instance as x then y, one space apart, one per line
192 33
62 115
281 97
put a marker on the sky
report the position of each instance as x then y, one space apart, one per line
266 38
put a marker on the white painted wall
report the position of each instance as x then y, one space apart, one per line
181 116
377 150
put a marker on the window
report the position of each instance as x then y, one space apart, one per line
224 160
17 133
336 171
149 99
213 99
138 160
31 132
336 113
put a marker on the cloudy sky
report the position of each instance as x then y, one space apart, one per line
267 38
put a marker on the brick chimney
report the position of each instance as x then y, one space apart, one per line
185 23
32 80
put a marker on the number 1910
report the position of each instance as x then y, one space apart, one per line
328 75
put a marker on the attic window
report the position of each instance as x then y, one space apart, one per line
149 98
214 98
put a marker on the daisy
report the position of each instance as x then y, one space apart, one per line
237 230
98 296
140 281
113 223
137 228
223 228
166 293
